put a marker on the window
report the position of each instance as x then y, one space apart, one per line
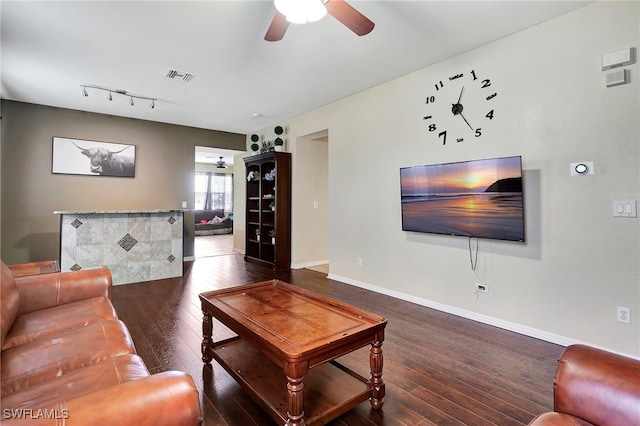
218 186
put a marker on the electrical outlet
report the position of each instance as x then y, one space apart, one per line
359 261
482 288
624 315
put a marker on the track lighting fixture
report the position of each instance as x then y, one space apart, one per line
118 92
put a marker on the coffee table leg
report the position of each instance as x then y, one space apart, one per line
376 361
207 341
296 401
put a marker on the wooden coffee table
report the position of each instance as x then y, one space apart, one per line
284 353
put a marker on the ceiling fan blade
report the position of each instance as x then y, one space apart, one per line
350 17
278 26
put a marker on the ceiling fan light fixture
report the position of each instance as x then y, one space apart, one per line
301 11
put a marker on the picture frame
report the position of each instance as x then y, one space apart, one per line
92 158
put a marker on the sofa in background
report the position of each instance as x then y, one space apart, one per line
594 387
207 224
67 359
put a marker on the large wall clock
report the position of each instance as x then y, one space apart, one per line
459 107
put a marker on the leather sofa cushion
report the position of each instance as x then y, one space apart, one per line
42 360
9 301
53 321
46 290
80 382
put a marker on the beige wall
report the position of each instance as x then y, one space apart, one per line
30 192
579 262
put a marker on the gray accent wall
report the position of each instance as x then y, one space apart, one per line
31 193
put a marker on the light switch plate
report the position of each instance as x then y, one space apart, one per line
625 209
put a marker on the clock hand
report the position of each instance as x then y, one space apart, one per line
465 120
456 109
460 97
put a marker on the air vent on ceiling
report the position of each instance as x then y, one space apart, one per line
179 75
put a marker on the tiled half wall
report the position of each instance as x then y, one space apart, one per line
135 246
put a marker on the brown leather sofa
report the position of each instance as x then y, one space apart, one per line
67 359
594 387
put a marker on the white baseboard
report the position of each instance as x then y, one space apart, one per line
485 319
309 264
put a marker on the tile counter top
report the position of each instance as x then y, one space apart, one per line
118 211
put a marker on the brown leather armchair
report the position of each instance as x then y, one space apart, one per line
67 358
594 387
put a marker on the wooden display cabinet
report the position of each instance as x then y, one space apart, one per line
268 206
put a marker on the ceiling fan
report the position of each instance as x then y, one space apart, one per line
339 9
221 164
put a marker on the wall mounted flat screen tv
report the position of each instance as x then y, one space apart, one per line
479 198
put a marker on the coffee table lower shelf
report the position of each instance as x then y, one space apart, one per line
330 389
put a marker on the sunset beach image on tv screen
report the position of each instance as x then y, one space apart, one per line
479 198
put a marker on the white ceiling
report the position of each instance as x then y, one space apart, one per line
50 48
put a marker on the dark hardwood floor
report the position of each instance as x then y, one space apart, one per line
439 369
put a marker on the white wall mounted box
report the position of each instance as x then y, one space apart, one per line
618 59
616 78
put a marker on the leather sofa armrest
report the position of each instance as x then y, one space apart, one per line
164 399
48 290
597 386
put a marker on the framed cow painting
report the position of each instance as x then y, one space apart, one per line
92 158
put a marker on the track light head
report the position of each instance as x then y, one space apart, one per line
110 98
84 92
153 104
131 102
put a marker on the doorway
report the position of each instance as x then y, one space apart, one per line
213 201
311 217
